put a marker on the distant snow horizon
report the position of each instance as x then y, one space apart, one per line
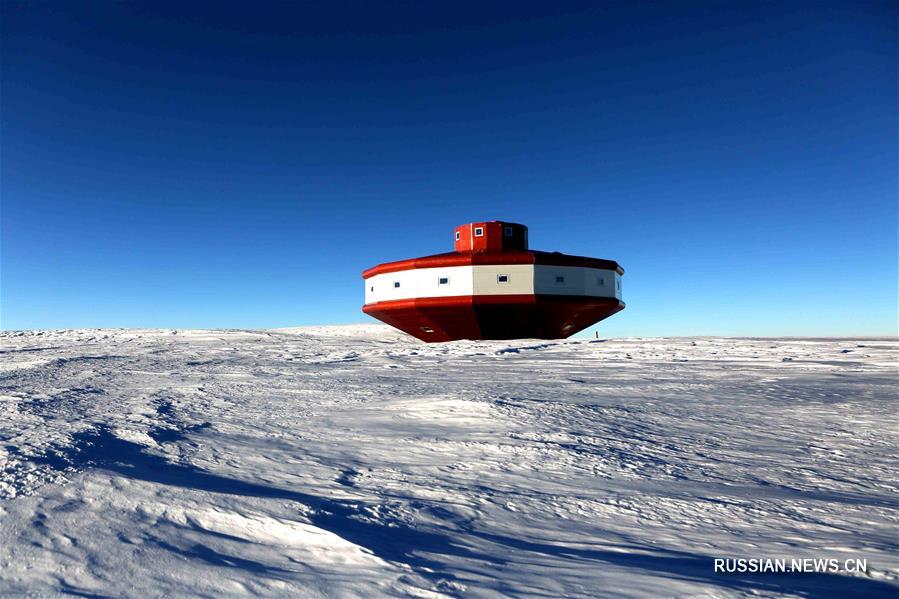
375 328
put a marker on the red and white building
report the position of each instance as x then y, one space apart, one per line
493 287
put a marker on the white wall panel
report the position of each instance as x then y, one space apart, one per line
420 282
523 279
577 280
520 279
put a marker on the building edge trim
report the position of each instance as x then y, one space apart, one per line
466 300
491 259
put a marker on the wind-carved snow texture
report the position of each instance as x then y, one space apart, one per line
356 461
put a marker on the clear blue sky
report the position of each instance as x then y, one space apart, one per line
239 165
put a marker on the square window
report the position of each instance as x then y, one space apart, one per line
458 236
502 278
507 231
601 281
478 231
560 279
443 280
396 284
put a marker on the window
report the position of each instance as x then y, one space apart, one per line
507 231
427 329
372 288
396 284
443 280
458 236
478 231
502 278
560 279
601 281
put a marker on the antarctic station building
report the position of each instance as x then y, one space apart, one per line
493 287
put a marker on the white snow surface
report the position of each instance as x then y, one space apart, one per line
357 461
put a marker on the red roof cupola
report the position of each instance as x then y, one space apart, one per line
493 236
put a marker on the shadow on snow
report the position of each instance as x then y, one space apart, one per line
400 543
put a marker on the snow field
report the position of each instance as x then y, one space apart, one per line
356 461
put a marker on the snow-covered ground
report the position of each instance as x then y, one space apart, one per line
355 461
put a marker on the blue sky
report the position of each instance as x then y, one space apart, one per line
237 165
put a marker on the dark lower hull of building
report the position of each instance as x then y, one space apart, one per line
436 319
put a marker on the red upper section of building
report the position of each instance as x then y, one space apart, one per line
490 237
494 242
